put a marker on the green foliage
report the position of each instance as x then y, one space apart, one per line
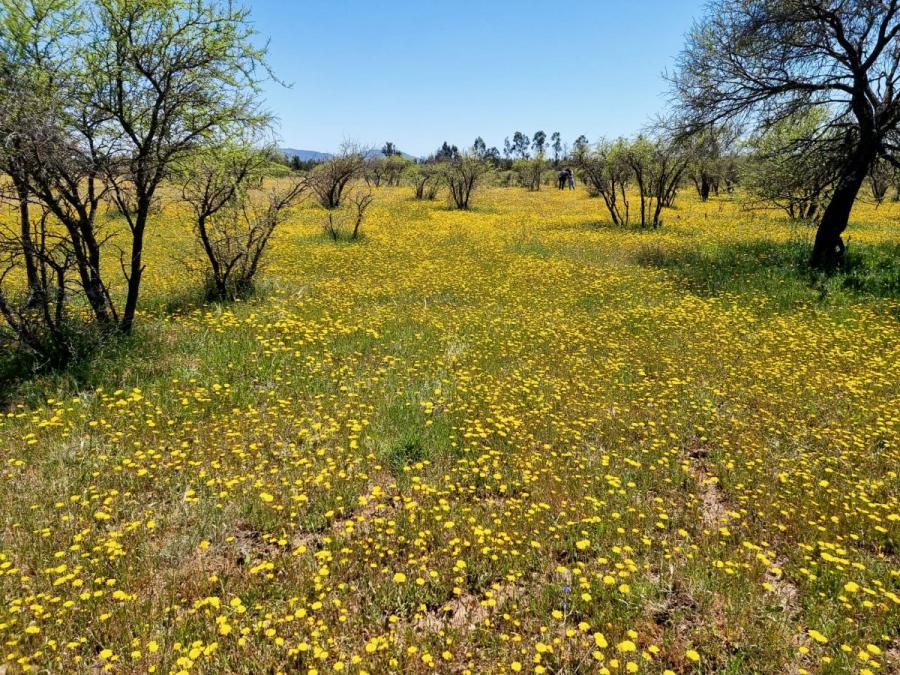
786 167
531 171
102 102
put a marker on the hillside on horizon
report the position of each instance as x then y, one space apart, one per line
317 156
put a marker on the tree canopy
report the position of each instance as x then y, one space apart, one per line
759 62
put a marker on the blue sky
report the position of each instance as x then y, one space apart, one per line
418 73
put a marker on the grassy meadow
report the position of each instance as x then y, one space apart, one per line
511 439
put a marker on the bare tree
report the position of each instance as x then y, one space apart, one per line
40 320
462 176
657 167
605 172
760 62
345 223
235 214
331 177
880 175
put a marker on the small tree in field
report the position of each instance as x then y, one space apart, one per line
462 176
395 166
189 64
425 179
235 214
531 172
375 171
605 172
345 222
657 167
330 178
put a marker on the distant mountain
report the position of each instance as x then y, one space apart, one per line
315 156
305 155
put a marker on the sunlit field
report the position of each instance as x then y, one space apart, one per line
511 439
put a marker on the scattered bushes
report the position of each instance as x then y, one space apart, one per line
531 172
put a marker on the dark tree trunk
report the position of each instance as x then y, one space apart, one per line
136 267
31 271
828 250
704 188
87 260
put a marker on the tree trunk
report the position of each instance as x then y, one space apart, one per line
136 267
87 259
31 271
828 250
704 188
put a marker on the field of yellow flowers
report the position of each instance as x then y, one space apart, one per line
515 439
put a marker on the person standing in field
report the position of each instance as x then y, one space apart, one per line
562 177
571 179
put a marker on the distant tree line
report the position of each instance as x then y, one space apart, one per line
780 166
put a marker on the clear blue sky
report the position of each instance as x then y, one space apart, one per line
421 72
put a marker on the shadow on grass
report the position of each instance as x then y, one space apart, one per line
778 269
604 223
27 381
